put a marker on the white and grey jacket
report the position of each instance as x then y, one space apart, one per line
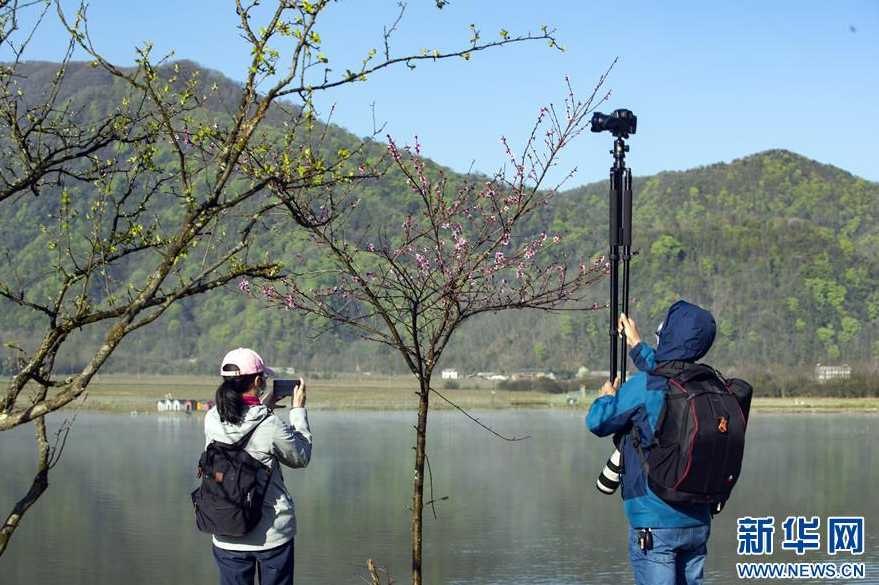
274 441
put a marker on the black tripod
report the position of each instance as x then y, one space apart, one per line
620 204
621 123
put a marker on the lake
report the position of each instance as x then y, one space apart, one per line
526 512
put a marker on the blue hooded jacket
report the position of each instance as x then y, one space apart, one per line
687 334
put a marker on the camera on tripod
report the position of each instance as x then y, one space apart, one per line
620 123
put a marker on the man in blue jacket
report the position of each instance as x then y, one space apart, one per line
667 544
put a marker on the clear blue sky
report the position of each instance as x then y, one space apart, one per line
709 81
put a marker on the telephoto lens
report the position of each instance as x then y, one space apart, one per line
609 480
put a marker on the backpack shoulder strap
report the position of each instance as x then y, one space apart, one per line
640 448
242 442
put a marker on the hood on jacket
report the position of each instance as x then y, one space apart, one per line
253 415
687 333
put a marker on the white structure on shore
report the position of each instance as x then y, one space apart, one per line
824 373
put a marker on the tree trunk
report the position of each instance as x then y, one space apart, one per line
38 486
418 489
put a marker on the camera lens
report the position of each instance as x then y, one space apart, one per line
599 122
609 480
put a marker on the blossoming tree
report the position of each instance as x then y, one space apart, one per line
463 251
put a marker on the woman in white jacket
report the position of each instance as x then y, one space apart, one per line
269 546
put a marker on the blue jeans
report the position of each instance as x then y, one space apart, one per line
677 556
238 567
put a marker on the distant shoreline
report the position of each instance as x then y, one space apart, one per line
126 393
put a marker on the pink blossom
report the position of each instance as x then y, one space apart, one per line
394 152
423 264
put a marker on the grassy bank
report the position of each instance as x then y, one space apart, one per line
340 392
121 393
816 404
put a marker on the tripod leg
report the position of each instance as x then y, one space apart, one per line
614 308
614 205
627 256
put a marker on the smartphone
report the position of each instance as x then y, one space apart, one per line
283 388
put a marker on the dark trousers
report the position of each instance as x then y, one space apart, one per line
239 567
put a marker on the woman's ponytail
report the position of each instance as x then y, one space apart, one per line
230 405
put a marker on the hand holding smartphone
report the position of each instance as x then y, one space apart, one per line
283 388
295 388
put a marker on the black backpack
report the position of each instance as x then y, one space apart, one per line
696 453
233 485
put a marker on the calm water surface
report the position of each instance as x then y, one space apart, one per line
118 511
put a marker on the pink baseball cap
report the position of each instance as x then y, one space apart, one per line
246 361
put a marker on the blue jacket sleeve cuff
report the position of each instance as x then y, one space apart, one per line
643 357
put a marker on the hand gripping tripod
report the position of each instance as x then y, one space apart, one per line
621 123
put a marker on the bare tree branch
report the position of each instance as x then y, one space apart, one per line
476 420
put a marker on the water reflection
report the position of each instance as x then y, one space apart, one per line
118 511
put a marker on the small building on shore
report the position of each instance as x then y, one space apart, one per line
184 405
825 373
532 375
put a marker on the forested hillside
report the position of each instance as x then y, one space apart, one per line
782 249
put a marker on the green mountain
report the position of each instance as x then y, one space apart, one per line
782 249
